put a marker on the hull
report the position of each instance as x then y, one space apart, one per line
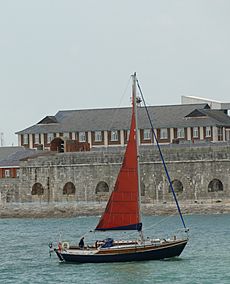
138 254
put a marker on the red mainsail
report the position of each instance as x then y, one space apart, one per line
122 210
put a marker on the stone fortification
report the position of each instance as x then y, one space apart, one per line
200 175
9 190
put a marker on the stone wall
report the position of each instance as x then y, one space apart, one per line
199 174
9 190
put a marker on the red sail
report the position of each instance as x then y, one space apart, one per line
122 210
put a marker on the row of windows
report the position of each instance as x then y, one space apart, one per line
102 187
147 134
69 188
213 186
180 133
82 137
195 132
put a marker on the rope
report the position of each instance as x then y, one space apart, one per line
154 225
162 158
161 221
116 110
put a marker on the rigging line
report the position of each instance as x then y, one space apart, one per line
155 224
162 158
122 97
161 221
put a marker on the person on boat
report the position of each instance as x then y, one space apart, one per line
81 243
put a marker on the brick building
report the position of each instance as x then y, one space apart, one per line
184 123
10 158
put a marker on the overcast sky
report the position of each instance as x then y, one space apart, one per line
64 54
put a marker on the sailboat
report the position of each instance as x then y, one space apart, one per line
123 213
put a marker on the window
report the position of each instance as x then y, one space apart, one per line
114 135
180 132
215 185
195 132
177 186
82 137
163 133
66 135
98 136
102 187
147 135
69 189
25 139
50 137
37 189
36 138
7 173
208 132
17 172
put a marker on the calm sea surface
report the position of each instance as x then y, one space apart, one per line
24 253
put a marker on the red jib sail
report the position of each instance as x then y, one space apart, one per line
122 210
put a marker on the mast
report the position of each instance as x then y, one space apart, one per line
134 97
122 211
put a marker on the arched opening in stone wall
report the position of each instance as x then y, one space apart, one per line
37 189
102 187
69 189
215 185
177 186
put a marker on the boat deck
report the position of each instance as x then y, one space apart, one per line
122 247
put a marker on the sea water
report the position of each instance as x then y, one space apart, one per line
24 253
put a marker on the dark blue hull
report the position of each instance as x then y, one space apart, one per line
158 253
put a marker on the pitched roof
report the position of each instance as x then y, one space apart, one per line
119 118
196 113
6 151
48 119
11 156
218 116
